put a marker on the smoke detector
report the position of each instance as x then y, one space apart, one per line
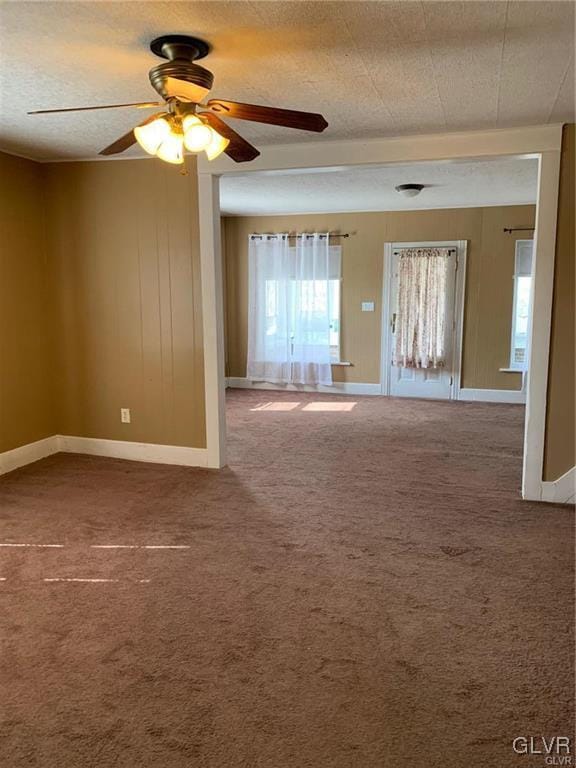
409 190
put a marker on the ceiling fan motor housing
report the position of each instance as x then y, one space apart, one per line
179 78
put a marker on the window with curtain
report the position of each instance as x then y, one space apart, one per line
420 329
294 308
521 304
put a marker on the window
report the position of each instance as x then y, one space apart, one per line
293 308
334 289
521 305
313 298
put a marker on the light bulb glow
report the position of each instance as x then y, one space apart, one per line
216 146
197 137
151 136
189 120
171 150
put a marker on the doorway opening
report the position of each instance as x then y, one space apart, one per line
541 144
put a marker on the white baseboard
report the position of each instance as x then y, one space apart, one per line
492 395
562 490
26 454
118 449
122 449
337 388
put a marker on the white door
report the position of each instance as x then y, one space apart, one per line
424 382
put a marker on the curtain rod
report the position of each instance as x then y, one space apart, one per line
305 234
519 229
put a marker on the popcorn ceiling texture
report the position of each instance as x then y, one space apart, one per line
363 588
372 68
510 181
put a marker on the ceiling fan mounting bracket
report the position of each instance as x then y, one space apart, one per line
173 47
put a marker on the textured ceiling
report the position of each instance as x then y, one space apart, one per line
449 185
373 68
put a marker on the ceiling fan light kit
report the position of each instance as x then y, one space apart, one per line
183 85
151 135
166 136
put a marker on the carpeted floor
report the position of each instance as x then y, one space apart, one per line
362 588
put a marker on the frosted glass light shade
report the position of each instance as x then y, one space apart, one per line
216 146
189 120
171 150
196 136
150 136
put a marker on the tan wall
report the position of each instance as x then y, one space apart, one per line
488 309
559 454
123 238
27 403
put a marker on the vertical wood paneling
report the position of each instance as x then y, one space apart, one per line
559 451
488 288
123 243
28 409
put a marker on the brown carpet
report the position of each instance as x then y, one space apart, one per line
361 589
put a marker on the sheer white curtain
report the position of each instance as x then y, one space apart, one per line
420 337
289 308
311 309
269 331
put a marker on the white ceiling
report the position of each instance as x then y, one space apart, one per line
372 68
449 185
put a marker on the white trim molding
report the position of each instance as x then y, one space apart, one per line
492 395
337 388
447 146
27 454
562 490
212 318
540 322
117 449
122 449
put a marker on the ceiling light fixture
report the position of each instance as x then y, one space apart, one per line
172 148
409 190
183 86
197 135
166 136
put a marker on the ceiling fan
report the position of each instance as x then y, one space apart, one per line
187 123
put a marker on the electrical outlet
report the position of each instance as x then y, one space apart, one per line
125 415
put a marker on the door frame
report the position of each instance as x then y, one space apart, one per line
459 291
541 141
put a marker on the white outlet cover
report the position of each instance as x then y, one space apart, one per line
367 306
125 415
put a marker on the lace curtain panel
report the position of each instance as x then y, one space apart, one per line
420 333
289 308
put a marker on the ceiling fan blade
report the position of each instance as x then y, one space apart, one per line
240 150
305 121
126 141
138 104
120 144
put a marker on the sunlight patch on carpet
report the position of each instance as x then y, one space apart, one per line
276 406
319 406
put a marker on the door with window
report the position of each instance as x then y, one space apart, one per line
422 324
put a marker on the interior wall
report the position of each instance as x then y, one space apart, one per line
123 240
559 450
489 285
27 397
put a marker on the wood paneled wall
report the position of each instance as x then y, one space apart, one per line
124 249
28 409
488 307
